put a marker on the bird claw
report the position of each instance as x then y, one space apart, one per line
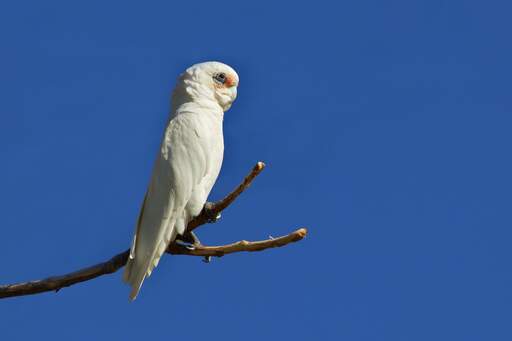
186 245
207 259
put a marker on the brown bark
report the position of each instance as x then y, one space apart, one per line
210 211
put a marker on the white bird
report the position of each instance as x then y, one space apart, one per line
186 167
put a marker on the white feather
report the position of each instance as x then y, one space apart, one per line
185 170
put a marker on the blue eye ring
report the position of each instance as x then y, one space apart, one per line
220 77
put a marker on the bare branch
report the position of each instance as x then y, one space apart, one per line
241 246
58 282
211 210
118 261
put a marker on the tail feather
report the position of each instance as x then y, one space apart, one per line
137 268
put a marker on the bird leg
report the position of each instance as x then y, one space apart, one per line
190 240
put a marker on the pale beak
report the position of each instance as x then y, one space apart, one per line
233 92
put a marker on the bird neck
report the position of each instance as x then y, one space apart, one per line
190 91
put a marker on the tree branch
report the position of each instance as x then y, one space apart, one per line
210 211
241 246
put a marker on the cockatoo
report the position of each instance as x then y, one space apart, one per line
186 167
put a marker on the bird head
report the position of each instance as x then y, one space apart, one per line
211 81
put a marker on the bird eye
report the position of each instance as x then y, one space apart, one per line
220 78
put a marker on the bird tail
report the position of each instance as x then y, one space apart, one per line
132 271
139 267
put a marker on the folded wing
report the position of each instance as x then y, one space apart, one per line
179 167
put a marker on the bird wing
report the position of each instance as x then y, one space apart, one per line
179 167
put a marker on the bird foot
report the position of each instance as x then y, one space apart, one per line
192 247
190 241
212 217
187 245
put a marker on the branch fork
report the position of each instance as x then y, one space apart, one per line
209 213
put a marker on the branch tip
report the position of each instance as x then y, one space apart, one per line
56 283
302 232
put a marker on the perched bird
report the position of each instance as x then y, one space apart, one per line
186 167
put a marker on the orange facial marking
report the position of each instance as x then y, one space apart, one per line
230 81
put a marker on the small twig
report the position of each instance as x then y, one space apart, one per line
118 261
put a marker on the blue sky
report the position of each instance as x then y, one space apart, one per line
386 128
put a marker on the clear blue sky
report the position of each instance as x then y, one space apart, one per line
386 128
